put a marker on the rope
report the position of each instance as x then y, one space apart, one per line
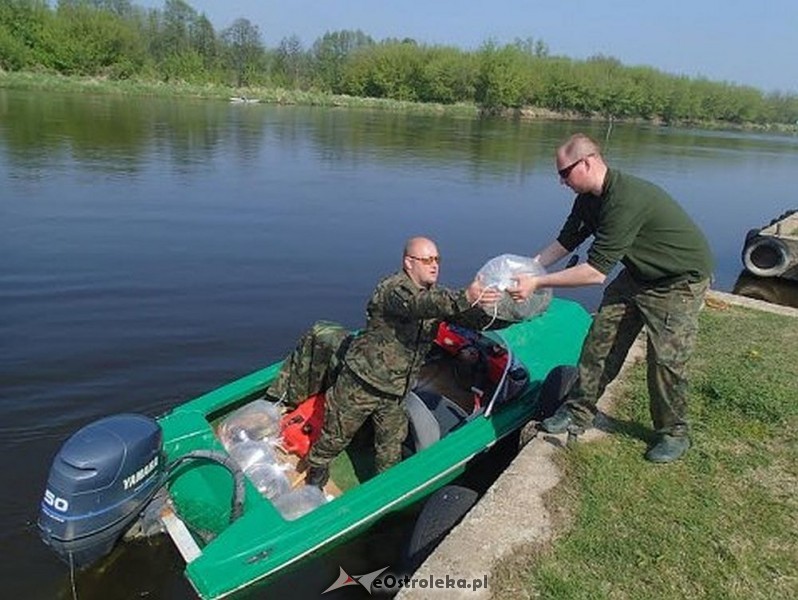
495 309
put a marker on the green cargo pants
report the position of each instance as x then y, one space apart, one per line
349 403
670 316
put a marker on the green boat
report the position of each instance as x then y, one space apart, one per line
174 474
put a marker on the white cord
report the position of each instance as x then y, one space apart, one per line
493 318
475 302
495 308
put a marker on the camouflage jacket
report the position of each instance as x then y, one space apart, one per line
402 322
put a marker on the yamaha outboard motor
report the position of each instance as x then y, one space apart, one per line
100 481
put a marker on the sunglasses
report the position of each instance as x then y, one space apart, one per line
426 260
565 172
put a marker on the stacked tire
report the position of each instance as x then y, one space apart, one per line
767 256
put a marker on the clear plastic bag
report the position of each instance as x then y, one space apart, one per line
499 272
300 501
249 453
255 421
269 478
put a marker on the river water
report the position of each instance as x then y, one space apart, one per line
151 250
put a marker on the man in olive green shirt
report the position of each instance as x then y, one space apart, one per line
667 265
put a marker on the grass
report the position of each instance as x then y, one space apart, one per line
268 95
721 523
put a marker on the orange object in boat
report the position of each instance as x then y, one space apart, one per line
302 426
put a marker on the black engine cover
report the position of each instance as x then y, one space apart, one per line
100 480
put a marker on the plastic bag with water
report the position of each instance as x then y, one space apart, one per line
257 420
300 501
249 453
269 478
499 272
250 435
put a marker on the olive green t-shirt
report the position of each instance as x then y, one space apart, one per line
640 225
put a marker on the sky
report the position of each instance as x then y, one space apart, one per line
746 42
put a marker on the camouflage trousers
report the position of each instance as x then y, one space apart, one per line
349 403
670 317
312 366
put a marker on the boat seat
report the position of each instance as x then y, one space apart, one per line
431 416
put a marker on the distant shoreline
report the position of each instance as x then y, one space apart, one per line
279 96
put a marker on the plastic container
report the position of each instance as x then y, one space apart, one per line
299 502
499 272
255 421
270 479
250 453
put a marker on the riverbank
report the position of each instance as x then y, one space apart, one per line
281 96
598 521
209 91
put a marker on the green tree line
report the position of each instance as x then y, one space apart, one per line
117 39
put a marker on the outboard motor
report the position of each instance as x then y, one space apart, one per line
100 481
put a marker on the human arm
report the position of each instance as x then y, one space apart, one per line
552 253
409 302
580 275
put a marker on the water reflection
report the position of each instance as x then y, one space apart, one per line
119 575
107 132
770 289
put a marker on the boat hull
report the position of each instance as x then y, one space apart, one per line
261 544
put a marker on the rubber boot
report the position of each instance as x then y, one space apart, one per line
317 476
558 422
668 448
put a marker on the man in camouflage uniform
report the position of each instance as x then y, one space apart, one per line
381 363
662 287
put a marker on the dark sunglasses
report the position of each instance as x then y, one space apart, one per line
565 172
426 260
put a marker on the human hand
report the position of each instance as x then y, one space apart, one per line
525 286
490 297
485 296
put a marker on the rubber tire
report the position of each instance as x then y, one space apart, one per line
749 237
765 244
442 511
555 389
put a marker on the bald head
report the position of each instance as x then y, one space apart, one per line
580 164
578 146
417 246
421 261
